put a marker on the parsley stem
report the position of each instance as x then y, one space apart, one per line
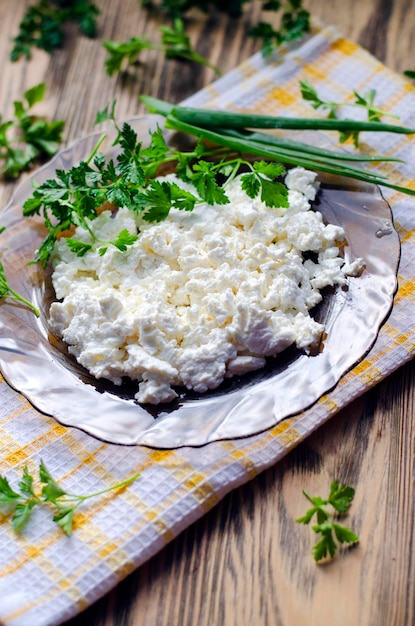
308 496
97 147
7 292
16 296
72 497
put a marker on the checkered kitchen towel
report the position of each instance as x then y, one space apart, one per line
47 577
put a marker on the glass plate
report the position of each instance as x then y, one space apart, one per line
37 364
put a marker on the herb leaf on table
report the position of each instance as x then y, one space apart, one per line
374 114
294 24
27 137
340 499
21 503
174 44
41 26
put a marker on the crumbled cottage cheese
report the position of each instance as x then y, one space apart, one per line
201 296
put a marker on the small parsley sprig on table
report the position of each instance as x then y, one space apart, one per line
177 8
42 25
294 24
374 113
20 504
27 137
294 18
74 197
340 499
175 44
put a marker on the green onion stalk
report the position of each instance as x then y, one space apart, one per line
241 132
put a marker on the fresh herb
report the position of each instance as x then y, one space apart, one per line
41 26
294 24
409 73
237 132
28 137
367 102
178 8
73 197
175 44
7 292
340 499
22 502
294 20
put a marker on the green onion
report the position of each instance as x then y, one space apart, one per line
233 131
229 119
290 144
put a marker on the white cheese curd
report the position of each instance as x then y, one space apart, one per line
201 296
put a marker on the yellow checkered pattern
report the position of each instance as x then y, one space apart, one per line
46 577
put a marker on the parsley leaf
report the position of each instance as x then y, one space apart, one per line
129 160
203 178
42 25
27 138
51 491
21 503
374 114
294 23
177 8
121 52
7 494
260 179
123 240
340 499
160 197
309 93
174 44
74 197
79 247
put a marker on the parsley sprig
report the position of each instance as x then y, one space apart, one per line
42 25
175 44
177 8
367 102
27 137
294 18
7 292
20 503
294 24
74 197
43 22
339 499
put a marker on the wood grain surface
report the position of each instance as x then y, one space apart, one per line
247 562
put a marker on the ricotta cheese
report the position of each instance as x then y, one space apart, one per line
201 296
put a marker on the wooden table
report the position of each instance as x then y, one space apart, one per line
240 565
